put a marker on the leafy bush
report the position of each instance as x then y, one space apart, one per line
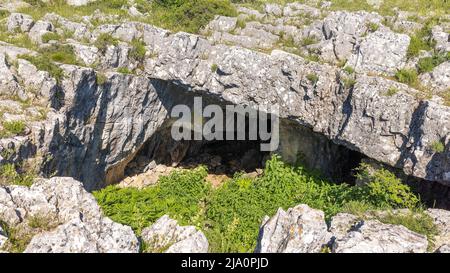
385 189
231 215
10 176
437 147
60 53
408 76
11 128
179 195
189 15
313 78
372 27
349 69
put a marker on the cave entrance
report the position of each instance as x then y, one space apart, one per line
161 154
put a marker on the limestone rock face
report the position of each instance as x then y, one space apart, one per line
167 236
96 127
3 238
373 236
297 230
64 201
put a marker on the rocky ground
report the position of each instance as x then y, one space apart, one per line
82 98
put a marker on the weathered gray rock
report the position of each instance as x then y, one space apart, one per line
63 200
373 236
444 249
381 52
439 79
9 86
80 30
342 224
441 219
222 24
86 54
441 38
297 230
3 238
19 22
79 2
273 9
165 235
39 29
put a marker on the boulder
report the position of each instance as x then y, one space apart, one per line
297 230
381 52
19 22
39 29
9 85
3 238
64 201
444 249
372 236
165 235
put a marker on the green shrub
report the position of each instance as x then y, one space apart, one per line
11 128
124 70
10 176
49 36
60 54
214 68
427 64
230 215
101 78
190 15
385 189
313 78
372 27
437 147
391 91
348 82
138 50
349 69
179 195
408 76
45 64
103 41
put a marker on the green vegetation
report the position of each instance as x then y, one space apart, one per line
50 36
348 82
124 70
60 54
427 64
101 78
4 14
18 240
240 23
408 76
391 91
137 51
349 69
214 68
313 78
437 147
310 40
230 215
372 27
103 41
43 63
10 176
12 128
